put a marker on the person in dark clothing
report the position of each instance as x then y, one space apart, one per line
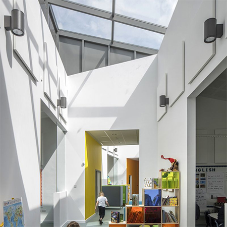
101 203
221 215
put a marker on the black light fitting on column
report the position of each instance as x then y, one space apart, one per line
164 101
15 22
212 30
62 102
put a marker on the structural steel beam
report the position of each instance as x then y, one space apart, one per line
108 15
107 42
113 13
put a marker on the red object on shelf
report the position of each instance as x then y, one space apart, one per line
221 199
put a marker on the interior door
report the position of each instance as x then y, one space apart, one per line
98 184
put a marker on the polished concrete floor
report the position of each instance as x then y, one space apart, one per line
94 221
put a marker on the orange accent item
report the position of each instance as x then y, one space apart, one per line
41 188
132 168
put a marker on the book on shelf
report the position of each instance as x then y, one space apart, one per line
170 201
115 216
168 217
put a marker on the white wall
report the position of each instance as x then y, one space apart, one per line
176 130
20 107
117 97
119 170
124 152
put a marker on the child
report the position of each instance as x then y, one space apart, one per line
73 224
101 203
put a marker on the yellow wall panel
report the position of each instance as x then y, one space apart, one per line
93 161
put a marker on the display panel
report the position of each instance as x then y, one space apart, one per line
152 197
135 214
170 180
152 214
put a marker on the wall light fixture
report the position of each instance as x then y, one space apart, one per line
164 101
62 102
15 22
212 30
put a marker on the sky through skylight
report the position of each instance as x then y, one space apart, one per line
154 11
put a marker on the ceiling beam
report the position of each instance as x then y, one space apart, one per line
113 13
107 42
108 15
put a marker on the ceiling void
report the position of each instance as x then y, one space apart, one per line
116 137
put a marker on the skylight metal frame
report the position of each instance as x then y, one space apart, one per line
103 41
109 16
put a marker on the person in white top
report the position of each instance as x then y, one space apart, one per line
101 203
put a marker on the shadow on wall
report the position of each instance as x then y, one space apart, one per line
12 183
136 105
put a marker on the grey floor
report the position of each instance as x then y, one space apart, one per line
93 221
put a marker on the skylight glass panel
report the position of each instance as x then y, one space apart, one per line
153 11
99 4
137 36
74 21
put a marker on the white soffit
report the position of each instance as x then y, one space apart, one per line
116 137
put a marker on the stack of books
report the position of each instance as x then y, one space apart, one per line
168 217
170 201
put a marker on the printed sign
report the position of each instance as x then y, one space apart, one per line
215 182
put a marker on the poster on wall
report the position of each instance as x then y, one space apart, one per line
202 180
215 182
201 197
13 213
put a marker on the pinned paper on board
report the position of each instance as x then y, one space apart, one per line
201 197
13 213
215 182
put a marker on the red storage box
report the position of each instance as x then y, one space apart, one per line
221 199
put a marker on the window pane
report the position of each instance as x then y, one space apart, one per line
74 21
137 36
100 4
154 11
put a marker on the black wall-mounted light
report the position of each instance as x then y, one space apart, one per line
164 101
62 102
212 30
15 22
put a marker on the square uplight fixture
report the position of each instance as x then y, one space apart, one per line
62 102
163 101
15 22
212 30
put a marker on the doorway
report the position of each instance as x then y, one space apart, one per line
98 183
52 165
211 149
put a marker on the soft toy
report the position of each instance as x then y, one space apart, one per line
174 163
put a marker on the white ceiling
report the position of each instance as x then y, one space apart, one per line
116 137
218 88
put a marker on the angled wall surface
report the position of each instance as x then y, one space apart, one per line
93 162
176 130
23 67
117 97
